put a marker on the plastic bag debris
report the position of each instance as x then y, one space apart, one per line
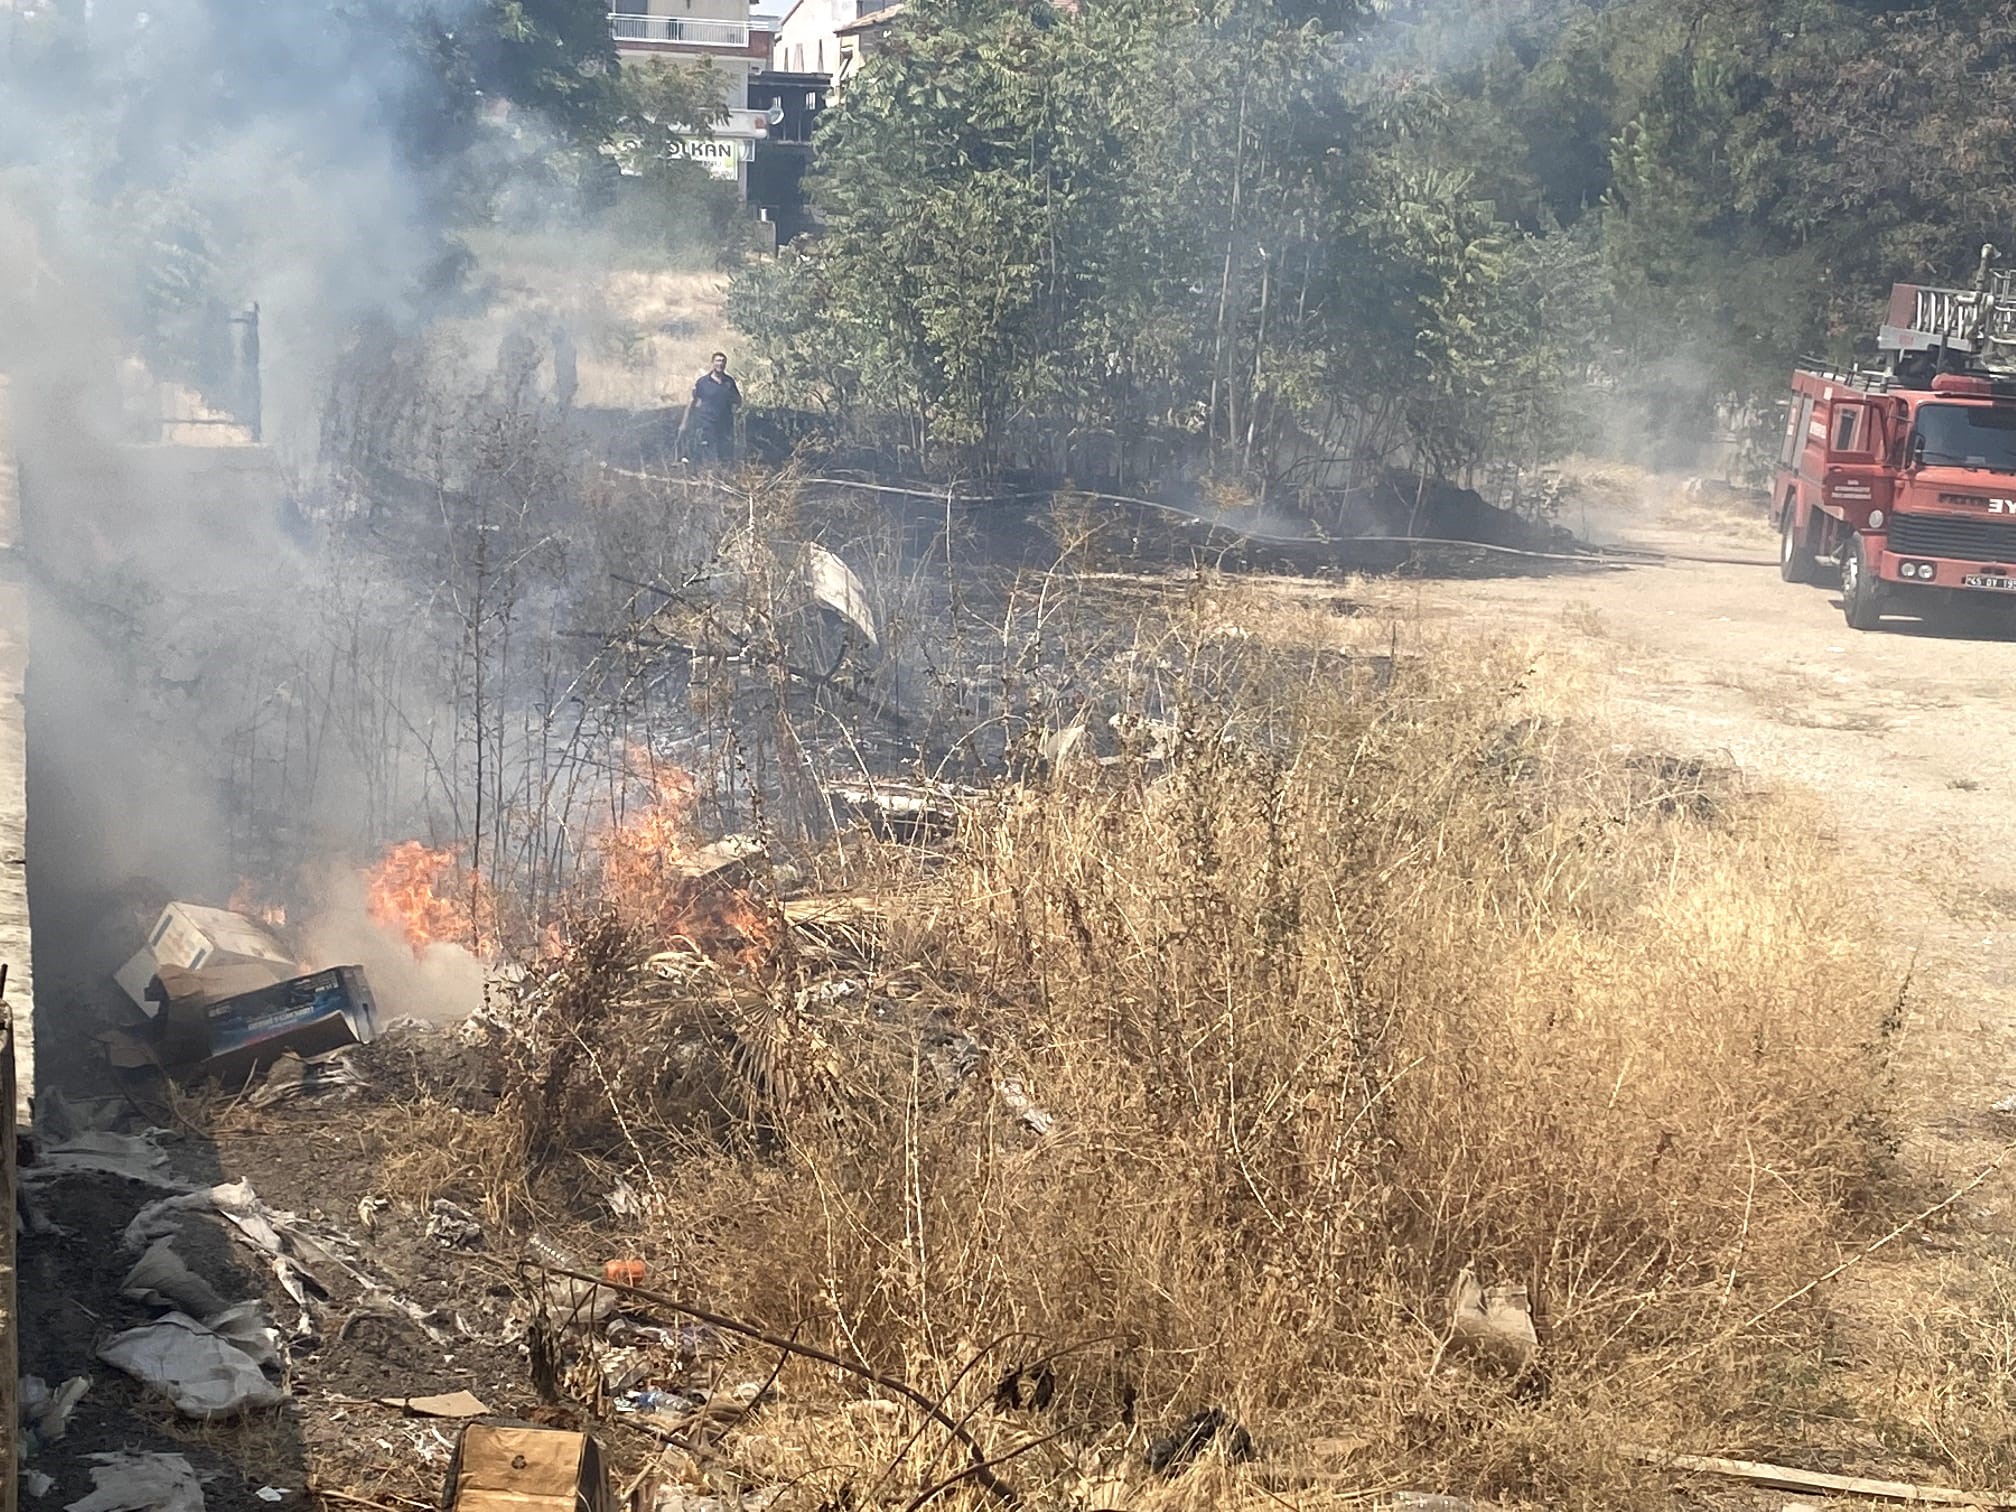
45 1414
141 1483
206 1372
161 1278
233 1200
38 1484
578 1304
136 1157
270 1494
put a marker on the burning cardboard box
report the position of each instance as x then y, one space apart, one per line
228 952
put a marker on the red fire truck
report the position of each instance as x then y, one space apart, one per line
1906 473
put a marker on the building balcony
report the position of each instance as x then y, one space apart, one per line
642 33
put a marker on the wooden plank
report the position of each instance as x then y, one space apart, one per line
1790 1478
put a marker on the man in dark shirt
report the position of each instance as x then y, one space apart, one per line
711 416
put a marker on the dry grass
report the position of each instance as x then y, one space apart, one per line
641 334
1393 967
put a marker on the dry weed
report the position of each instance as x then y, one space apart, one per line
1373 968
1376 977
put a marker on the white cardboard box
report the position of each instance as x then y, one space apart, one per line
192 936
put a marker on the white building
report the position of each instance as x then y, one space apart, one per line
823 36
716 32
719 34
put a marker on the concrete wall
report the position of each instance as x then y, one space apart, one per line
14 931
17 1021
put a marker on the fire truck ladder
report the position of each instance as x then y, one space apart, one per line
1977 325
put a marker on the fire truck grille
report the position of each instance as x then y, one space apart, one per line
1962 536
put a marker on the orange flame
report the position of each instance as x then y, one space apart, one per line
246 900
659 876
429 897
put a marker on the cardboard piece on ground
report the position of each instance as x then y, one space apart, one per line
527 1470
452 1404
705 862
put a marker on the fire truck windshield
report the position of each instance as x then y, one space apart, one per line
1965 435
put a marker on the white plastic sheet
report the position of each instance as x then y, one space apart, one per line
207 1372
141 1483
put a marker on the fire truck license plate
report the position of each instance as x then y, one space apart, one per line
1999 584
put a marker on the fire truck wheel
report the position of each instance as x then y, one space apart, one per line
1859 589
1795 556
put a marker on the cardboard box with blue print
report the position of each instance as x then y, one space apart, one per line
232 1037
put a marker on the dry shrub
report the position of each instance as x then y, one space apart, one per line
1415 981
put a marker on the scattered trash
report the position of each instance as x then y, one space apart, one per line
453 1404
669 1496
624 1272
232 1200
1430 1501
208 1370
45 1414
130 1482
368 1209
688 1342
527 1470
1495 1323
1173 1451
453 1226
38 1483
624 1201
654 1399
270 1494
2004 1105
291 1077
161 1278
